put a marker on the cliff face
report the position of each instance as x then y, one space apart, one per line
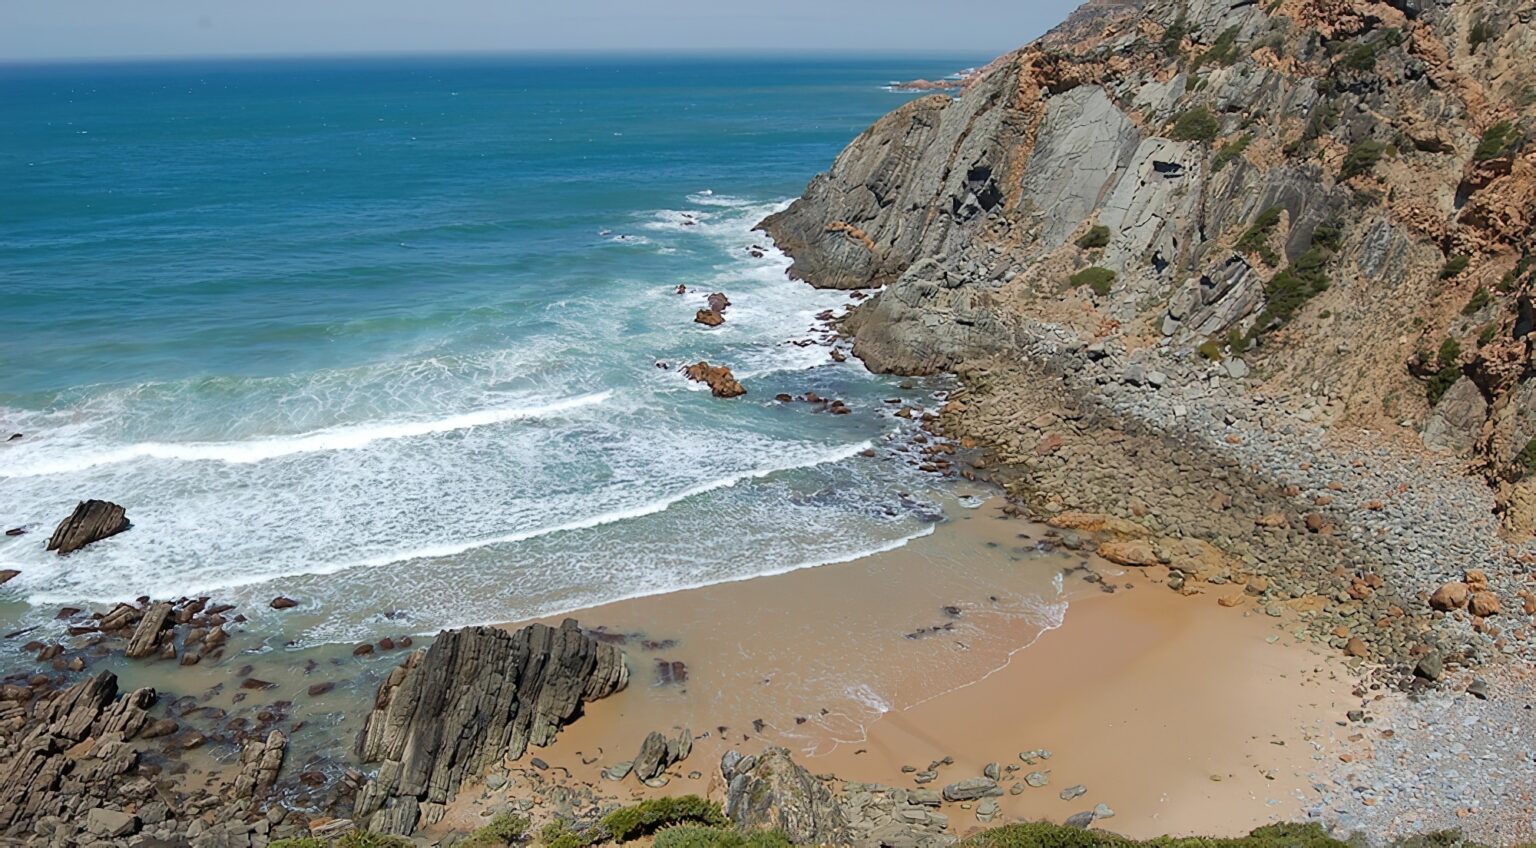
1340 193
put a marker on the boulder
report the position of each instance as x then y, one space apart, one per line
708 317
718 302
1483 604
145 640
476 697
1451 596
7 575
773 792
281 603
722 383
1133 552
653 757
973 789
91 521
111 824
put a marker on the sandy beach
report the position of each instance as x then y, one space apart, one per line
1181 715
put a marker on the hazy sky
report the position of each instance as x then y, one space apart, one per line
55 29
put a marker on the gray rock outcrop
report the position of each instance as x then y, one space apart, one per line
476 697
91 521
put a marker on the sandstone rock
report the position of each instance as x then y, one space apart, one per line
475 697
722 383
91 521
1131 552
1483 604
7 575
1451 596
260 762
146 637
718 302
774 792
708 317
282 603
111 824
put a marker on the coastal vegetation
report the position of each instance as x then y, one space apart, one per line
1097 279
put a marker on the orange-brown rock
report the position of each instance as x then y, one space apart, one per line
722 383
1137 553
1484 604
708 317
1451 596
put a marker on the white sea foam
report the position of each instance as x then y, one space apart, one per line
333 439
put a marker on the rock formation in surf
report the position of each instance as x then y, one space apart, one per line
91 521
476 697
722 383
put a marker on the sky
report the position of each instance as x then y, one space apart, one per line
123 29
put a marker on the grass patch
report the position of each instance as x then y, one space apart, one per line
694 836
369 839
1209 350
1496 142
1488 334
1223 51
1042 835
1173 38
1454 266
1362 158
1095 238
647 817
1100 280
1482 33
1363 56
503 830
1526 459
1197 124
1257 237
1479 299
1230 152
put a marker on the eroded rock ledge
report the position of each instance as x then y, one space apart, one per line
475 697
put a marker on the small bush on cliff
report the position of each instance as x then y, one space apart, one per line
1496 142
369 839
1197 124
299 842
503 830
1223 50
1290 289
1526 459
1450 371
1482 33
1256 239
1362 158
1479 299
1454 266
1230 152
1095 238
1173 38
647 817
1042 835
694 836
1100 280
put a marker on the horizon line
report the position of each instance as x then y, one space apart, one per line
532 52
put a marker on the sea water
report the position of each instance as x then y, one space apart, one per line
400 338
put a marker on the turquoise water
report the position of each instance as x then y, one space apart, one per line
383 335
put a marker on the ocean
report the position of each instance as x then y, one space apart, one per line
386 335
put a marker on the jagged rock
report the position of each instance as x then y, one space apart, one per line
146 637
110 824
708 317
260 761
475 697
972 789
7 575
774 792
718 302
91 521
722 383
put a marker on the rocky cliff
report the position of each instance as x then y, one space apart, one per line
1337 197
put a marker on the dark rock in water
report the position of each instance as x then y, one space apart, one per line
319 689
7 575
14 437
145 640
670 672
718 302
260 761
773 792
281 603
708 317
91 521
722 383
475 697
16 531
363 650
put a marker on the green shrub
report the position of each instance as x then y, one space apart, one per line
1197 124
1256 238
1526 459
1098 279
1095 238
1441 381
368 839
1454 266
1290 289
1042 835
1210 350
1363 55
1496 141
299 842
1487 335
1450 351
1362 158
1481 33
1479 299
503 830
694 836
1237 341
1230 152
558 834
1223 50
647 817
1173 37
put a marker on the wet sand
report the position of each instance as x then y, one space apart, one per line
976 643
